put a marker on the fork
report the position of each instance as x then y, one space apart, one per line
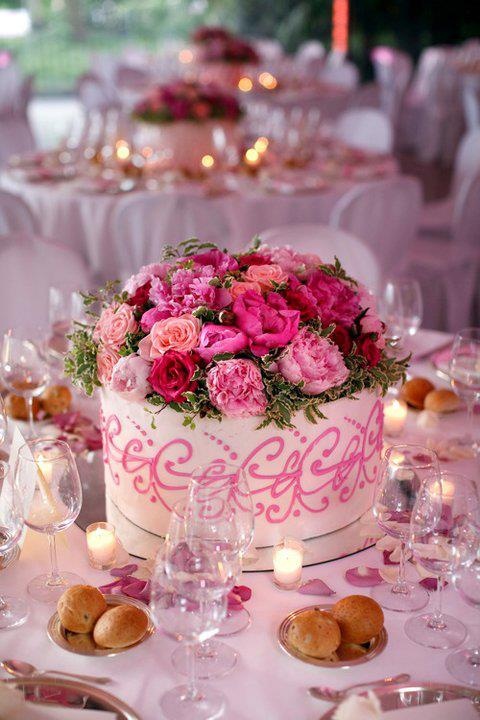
329 694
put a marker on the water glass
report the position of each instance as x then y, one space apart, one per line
464 371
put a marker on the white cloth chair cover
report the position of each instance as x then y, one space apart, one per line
448 268
15 132
327 242
393 71
385 216
345 75
471 101
269 49
365 128
15 215
35 264
95 94
309 50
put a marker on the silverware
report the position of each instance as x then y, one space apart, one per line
19 668
331 695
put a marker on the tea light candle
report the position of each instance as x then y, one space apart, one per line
101 545
394 416
252 158
287 564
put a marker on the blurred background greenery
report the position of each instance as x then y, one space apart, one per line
65 33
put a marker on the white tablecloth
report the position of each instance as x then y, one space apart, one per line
267 684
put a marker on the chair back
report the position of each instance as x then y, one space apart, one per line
471 101
467 159
269 49
327 242
95 94
344 75
385 215
15 215
365 128
466 219
393 71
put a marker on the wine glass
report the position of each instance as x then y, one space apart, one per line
391 310
65 307
403 471
464 371
412 304
13 611
48 467
452 500
3 422
24 367
193 574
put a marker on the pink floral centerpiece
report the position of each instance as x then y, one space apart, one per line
222 56
179 119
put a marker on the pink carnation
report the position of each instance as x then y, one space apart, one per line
236 388
337 301
174 333
107 358
266 275
114 324
269 323
188 290
314 361
216 339
130 378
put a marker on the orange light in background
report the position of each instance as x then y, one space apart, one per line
245 84
122 150
267 80
261 145
252 157
208 161
185 56
147 151
340 25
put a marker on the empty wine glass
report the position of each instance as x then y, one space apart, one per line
452 501
24 367
65 307
48 466
13 611
464 371
403 471
391 310
402 308
193 574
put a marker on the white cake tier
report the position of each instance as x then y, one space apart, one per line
305 482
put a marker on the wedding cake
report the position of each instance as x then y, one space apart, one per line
271 361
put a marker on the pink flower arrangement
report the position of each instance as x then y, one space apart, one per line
264 333
217 44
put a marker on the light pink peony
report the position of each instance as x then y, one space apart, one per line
238 288
145 275
216 339
174 333
130 378
314 361
293 262
114 324
265 275
236 388
107 358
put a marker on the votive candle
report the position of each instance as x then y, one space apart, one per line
101 545
287 564
394 416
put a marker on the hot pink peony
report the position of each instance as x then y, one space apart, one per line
216 339
236 388
130 378
314 361
220 261
174 333
114 324
337 301
107 358
266 275
269 323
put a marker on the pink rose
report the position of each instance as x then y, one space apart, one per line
215 339
238 288
130 378
174 333
236 388
314 361
300 297
268 323
337 301
265 275
107 358
367 348
114 324
171 376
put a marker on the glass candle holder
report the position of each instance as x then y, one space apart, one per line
287 563
394 416
101 545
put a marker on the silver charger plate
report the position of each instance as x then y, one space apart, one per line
84 644
376 644
94 698
410 695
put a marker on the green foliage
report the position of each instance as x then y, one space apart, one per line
81 361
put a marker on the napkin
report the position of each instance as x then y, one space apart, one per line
14 707
26 482
361 707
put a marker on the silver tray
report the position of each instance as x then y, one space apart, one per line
93 697
85 644
409 695
376 645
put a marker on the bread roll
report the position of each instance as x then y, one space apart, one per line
415 391
360 618
120 626
442 401
81 641
350 651
56 399
80 607
16 407
315 632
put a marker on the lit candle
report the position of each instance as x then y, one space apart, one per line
122 151
252 158
448 492
101 545
245 84
208 161
394 416
287 564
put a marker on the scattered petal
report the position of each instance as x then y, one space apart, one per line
243 591
429 583
315 587
363 576
389 574
124 571
106 589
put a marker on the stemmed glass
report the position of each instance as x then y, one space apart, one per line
64 308
464 371
24 368
3 422
48 466
193 574
453 503
13 611
403 471
402 308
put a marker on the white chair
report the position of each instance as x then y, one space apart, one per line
95 94
269 49
393 71
309 50
344 75
384 215
365 128
448 268
326 242
15 132
471 101
35 264
15 215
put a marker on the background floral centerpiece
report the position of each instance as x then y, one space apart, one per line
217 44
210 334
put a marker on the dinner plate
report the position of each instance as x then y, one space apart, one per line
83 643
93 697
375 645
409 695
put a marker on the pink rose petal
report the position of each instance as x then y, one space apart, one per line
315 587
124 571
363 576
243 591
387 554
430 583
